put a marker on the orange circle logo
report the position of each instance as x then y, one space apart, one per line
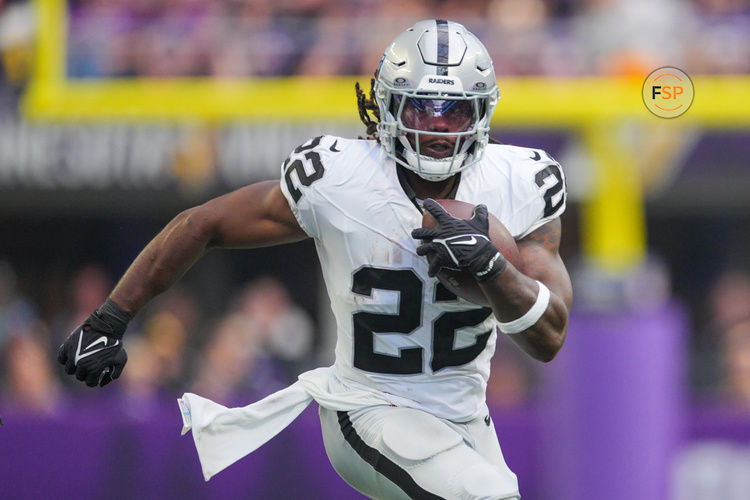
668 92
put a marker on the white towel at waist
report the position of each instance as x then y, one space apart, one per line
224 435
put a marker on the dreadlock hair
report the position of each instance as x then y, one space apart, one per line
366 106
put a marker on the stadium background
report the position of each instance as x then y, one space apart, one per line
116 114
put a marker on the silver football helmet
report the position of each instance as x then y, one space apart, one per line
436 81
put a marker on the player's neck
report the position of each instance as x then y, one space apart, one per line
424 189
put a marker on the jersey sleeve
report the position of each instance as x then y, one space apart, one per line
541 193
301 175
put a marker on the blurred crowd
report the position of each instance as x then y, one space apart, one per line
259 344
241 38
236 38
721 351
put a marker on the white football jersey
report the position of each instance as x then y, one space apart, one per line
400 332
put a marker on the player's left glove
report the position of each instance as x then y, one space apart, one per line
94 350
460 244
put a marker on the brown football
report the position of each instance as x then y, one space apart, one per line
462 283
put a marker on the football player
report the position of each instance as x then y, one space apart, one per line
412 358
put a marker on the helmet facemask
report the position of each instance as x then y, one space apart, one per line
435 134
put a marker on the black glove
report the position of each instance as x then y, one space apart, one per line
460 244
94 350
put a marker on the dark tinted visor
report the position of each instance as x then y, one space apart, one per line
438 115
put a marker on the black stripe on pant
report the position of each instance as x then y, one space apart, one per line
381 463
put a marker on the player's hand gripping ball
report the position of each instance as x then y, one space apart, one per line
461 242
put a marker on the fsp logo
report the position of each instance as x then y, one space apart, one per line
668 92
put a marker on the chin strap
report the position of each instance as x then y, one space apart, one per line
409 191
430 168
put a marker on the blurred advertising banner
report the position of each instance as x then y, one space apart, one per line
198 158
150 156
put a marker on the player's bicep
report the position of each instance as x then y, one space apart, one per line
541 259
253 216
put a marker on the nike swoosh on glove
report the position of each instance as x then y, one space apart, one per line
460 244
94 351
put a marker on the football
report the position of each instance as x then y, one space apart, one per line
463 283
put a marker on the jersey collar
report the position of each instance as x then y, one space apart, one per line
401 172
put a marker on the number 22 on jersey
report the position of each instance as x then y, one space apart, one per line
407 320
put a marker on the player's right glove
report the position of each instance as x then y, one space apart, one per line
94 352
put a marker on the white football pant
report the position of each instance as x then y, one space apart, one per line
387 453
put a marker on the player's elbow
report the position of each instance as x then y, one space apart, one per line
546 349
197 223
552 347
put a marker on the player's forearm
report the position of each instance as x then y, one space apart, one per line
511 295
164 260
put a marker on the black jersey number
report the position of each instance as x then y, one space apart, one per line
444 330
541 180
296 164
406 320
